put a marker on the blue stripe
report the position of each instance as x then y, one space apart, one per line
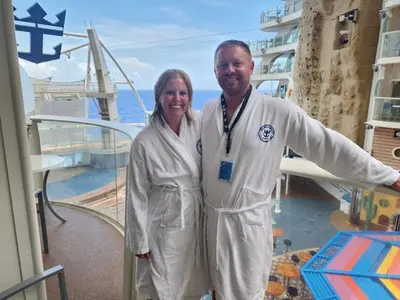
374 289
368 261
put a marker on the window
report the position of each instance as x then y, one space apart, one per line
396 153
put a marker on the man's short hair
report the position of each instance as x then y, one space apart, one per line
230 43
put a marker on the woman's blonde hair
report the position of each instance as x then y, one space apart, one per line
159 89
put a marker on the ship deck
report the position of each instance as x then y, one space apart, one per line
91 250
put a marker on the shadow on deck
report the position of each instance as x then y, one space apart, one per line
90 250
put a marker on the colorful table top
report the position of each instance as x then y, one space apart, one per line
356 265
275 288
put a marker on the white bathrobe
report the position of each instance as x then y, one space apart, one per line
164 212
238 213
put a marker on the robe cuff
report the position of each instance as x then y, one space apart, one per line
393 178
141 250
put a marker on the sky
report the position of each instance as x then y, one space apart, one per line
146 37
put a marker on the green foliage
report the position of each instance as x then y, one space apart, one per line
370 209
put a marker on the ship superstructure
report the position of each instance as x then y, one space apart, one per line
277 54
383 124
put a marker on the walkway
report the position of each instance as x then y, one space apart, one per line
90 250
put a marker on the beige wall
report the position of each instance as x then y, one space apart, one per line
384 145
333 81
392 72
394 21
20 253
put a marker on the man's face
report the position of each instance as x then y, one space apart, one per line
233 67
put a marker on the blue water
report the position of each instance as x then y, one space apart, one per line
85 182
130 111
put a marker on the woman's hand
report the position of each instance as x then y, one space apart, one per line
145 255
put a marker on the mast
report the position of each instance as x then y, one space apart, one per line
106 95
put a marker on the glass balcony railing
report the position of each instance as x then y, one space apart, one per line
391 45
273 68
310 226
286 39
72 88
387 109
286 10
93 171
391 3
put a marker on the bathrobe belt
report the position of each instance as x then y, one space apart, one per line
224 210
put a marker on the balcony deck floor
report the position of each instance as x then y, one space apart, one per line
90 250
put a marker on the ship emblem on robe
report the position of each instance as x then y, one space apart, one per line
266 133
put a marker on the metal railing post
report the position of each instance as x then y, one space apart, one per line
34 280
62 285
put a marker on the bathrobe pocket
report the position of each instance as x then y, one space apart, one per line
247 199
172 213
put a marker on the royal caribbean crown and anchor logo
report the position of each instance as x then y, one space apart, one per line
41 28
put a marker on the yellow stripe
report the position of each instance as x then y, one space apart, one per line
392 288
387 262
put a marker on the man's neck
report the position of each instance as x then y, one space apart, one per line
233 102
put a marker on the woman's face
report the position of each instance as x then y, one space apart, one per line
174 99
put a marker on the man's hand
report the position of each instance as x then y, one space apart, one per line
396 185
145 255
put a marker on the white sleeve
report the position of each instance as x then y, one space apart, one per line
334 152
136 203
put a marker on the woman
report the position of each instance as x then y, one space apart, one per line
164 197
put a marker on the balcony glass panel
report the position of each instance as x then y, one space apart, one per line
286 39
387 109
283 11
94 167
391 44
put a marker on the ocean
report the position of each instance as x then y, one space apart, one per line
131 112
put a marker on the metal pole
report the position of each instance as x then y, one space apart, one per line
76 35
7 26
75 48
62 285
126 77
278 195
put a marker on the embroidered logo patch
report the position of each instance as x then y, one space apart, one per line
199 147
266 133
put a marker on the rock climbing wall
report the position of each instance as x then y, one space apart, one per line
333 77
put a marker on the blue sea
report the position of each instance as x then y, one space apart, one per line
131 112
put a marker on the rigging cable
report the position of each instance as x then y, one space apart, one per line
184 38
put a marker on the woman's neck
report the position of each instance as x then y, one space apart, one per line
174 124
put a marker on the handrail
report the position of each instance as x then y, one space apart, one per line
391 32
305 168
56 270
388 98
131 131
281 11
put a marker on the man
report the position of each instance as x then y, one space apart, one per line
243 137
